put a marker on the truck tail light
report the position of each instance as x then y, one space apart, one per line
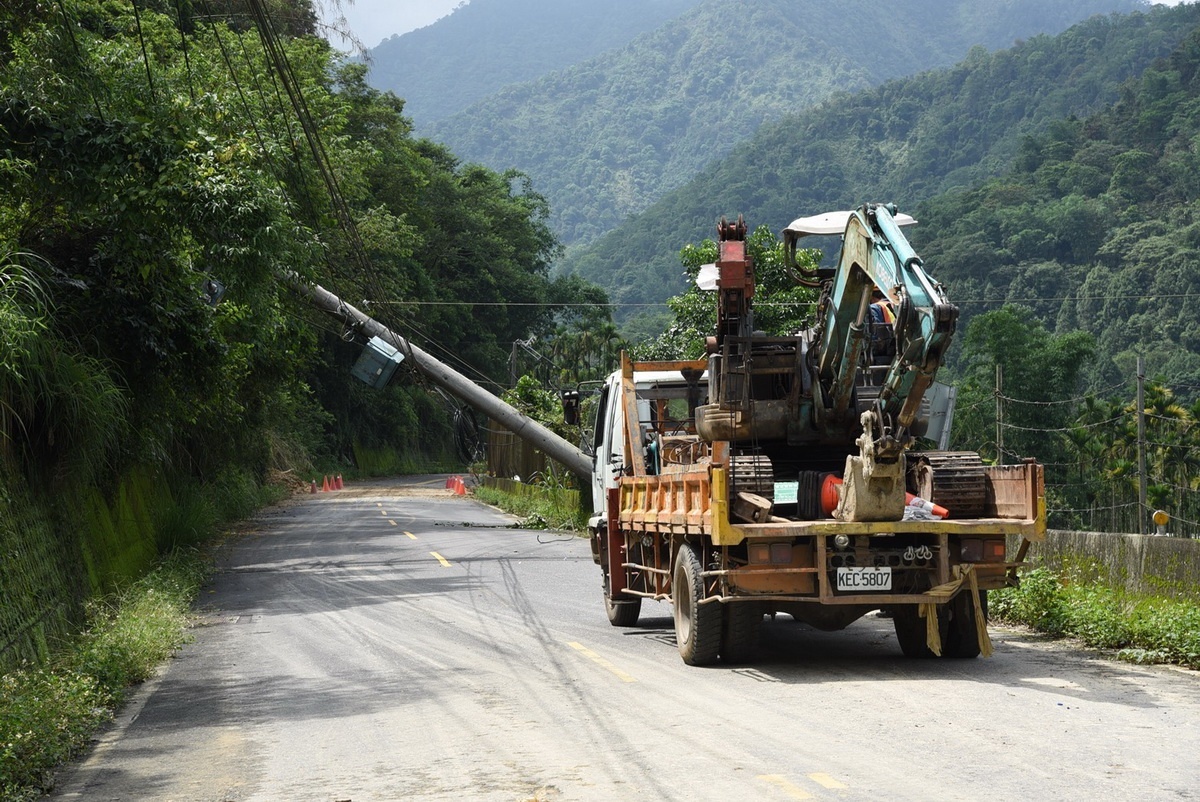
770 553
983 550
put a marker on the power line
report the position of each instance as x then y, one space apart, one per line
1062 429
1075 400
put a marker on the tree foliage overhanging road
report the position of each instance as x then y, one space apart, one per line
160 163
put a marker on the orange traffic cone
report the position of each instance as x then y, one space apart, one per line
916 501
325 484
338 482
314 486
450 482
460 488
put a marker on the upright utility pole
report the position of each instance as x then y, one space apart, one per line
1141 445
999 414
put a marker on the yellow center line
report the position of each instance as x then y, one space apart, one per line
445 563
782 783
825 781
411 536
600 661
393 523
384 512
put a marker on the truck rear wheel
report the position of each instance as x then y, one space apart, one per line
956 625
697 626
961 638
621 612
910 632
740 631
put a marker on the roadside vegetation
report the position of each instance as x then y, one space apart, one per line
1143 629
48 712
546 503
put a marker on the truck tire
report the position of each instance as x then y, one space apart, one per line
697 626
910 631
960 639
623 612
740 631
956 624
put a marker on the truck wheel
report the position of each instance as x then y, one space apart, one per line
956 622
960 638
624 612
910 631
697 626
740 631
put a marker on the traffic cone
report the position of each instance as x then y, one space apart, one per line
460 488
325 484
338 482
314 486
920 503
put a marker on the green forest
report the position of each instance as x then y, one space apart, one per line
606 138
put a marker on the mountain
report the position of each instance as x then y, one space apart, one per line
1095 227
606 138
906 141
486 45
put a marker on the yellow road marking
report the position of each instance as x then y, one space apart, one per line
411 536
384 512
445 563
825 781
393 523
600 661
782 783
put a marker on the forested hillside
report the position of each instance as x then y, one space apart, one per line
1096 228
904 142
486 45
606 138
155 371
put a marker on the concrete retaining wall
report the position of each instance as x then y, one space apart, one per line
1164 566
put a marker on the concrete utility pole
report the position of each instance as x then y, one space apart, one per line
999 414
1141 445
451 380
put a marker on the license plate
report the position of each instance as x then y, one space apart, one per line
864 578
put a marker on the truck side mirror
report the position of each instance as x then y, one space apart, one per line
570 405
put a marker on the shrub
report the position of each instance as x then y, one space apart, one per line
1039 602
1145 629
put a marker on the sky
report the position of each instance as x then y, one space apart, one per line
375 20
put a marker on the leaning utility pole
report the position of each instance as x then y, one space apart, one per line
450 380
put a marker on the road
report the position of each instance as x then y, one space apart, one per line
396 642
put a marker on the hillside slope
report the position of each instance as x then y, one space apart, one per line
604 139
486 45
1096 227
905 141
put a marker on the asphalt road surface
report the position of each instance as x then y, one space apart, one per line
395 642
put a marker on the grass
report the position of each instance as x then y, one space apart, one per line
1143 629
541 508
48 713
